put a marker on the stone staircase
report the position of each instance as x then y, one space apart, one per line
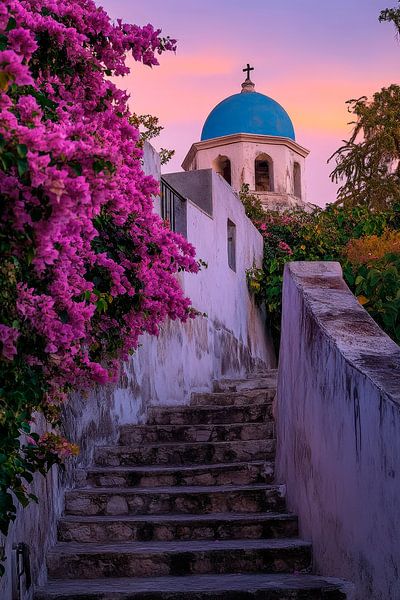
186 508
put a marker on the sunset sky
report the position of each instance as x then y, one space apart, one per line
310 56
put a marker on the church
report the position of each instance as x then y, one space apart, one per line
249 138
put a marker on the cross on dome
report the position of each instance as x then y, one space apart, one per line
248 69
248 85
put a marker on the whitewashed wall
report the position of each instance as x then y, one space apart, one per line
338 430
230 341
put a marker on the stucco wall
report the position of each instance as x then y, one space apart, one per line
87 420
198 189
338 430
152 166
231 340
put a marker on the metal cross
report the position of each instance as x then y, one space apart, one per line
248 69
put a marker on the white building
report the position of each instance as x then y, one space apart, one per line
248 138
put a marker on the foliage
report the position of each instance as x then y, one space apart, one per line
86 266
368 165
252 204
324 235
377 286
152 129
391 15
369 248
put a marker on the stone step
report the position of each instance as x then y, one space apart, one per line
184 454
156 476
153 434
158 501
219 526
257 382
231 586
70 560
232 398
203 415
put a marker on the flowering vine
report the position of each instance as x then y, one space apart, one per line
87 266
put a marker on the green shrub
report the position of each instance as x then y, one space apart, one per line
324 234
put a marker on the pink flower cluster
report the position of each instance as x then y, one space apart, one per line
285 247
55 444
100 264
8 337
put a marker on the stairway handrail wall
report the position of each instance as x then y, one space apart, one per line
338 429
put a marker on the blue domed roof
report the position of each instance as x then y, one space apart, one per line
248 112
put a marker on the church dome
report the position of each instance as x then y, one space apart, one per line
248 112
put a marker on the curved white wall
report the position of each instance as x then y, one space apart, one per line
338 430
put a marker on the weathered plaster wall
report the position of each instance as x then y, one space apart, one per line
152 166
231 340
220 291
87 420
197 189
338 429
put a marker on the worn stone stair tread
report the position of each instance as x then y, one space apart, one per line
270 375
136 446
195 432
188 584
211 395
155 469
204 407
258 381
256 412
251 383
177 526
176 499
233 398
175 453
151 547
181 518
182 489
154 426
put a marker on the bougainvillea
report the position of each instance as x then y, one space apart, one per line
87 267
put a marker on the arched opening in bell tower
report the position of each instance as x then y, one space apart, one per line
222 166
263 171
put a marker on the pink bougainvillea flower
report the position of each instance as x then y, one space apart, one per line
285 247
8 340
13 71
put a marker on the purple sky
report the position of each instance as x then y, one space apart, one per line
311 56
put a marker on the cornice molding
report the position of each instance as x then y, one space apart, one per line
238 138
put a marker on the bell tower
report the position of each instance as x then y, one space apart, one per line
249 138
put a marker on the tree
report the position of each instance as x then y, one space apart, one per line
391 15
152 129
368 164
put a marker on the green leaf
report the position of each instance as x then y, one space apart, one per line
76 167
22 166
3 42
12 24
22 150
